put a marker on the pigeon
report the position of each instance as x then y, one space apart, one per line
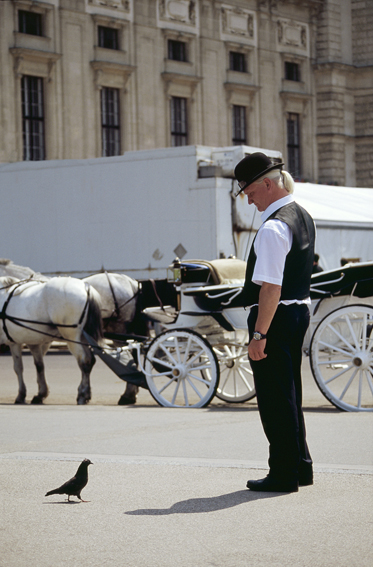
75 485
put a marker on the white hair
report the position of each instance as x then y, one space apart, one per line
283 178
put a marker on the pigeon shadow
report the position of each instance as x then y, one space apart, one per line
64 502
206 505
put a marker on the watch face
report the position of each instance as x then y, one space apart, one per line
258 336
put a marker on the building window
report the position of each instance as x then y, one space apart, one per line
29 22
32 118
110 121
179 126
108 38
239 125
292 71
177 50
237 62
293 144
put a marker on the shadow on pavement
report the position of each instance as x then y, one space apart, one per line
205 505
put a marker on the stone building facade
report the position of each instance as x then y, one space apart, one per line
87 78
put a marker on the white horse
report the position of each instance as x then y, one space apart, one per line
36 313
119 294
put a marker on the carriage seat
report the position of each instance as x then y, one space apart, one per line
227 271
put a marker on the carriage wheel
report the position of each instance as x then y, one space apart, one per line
181 369
341 357
236 383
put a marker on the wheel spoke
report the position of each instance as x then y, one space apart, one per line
336 349
243 378
185 394
348 345
226 380
187 348
175 392
168 354
348 321
332 362
360 389
190 361
155 360
168 384
368 374
199 379
194 388
348 384
339 374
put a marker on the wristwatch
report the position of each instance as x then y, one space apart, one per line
258 336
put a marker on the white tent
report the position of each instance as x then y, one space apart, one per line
343 218
344 221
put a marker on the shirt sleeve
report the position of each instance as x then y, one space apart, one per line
272 244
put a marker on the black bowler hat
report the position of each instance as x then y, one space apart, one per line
251 167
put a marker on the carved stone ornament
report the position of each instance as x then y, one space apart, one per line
237 22
183 11
292 34
123 5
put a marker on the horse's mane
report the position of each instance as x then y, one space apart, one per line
6 281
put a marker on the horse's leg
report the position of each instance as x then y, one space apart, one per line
16 351
38 352
85 360
129 396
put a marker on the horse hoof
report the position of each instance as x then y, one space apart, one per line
127 400
37 400
82 401
21 401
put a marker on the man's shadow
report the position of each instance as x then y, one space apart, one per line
205 505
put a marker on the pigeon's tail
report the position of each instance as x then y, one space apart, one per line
55 491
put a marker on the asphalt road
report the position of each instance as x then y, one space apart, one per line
167 487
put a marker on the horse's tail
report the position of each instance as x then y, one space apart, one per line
93 325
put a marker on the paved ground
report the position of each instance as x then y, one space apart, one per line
167 487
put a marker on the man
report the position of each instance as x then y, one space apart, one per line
277 288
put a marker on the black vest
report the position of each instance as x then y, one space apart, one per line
298 263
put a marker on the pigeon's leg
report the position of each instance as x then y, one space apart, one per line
38 352
16 351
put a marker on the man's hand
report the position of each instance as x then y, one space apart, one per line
256 349
269 297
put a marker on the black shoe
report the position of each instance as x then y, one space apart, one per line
305 480
305 476
270 484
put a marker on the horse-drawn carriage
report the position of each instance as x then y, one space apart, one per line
198 348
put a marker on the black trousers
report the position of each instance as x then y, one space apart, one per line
279 391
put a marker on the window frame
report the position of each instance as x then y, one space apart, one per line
240 58
101 39
293 144
239 125
172 45
24 14
33 123
179 121
110 122
292 71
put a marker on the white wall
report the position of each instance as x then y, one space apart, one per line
126 213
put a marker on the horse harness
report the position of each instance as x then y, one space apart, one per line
20 322
118 307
